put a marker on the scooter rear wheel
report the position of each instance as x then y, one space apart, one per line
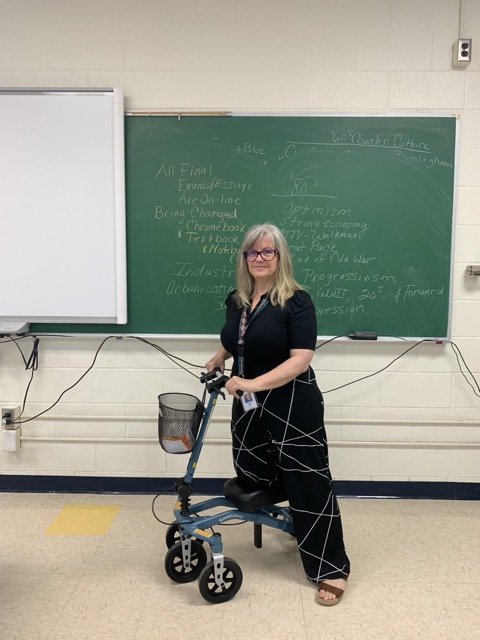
173 535
174 567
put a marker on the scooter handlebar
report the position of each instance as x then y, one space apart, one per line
215 380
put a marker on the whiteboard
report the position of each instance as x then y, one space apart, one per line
62 206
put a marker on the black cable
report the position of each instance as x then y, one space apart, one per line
68 389
168 524
459 356
15 340
327 341
370 375
169 356
33 362
17 421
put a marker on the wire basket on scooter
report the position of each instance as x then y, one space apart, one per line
179 418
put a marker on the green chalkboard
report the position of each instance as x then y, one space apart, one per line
366 204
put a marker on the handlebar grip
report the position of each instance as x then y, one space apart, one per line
210 375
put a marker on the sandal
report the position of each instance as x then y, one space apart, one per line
336 591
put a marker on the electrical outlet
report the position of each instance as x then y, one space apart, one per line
9 415
462 52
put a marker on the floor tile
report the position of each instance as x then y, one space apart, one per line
61 554
31 604
178 611
104 604
414 576
83 520
122 557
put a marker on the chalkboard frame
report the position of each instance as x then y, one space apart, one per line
445 335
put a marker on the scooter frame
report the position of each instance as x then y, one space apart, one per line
220 579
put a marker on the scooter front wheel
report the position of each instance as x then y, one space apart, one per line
232 581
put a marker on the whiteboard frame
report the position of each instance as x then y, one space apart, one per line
93 206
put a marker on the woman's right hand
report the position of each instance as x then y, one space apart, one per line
215 363
218 361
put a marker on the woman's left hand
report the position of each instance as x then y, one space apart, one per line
236 384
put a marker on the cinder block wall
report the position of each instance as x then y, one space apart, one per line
418 420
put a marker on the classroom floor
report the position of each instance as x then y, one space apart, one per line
90 567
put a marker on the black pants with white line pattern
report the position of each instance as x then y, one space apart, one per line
284 438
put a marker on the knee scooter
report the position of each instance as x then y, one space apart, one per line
182 426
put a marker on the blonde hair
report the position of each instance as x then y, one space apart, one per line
284 286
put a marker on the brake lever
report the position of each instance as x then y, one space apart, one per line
214 380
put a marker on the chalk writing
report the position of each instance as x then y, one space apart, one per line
195 225
215 183
340 310
294 209
428 163
189 169
397 140
188 270
165 214
165 170
254 151
310 276
412 291
175 288
342 233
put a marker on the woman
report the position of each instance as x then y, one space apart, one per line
278 433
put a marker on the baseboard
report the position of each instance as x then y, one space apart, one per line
214 486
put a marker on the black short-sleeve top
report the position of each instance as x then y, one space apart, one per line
271 334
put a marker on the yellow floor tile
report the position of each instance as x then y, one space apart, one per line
83 520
